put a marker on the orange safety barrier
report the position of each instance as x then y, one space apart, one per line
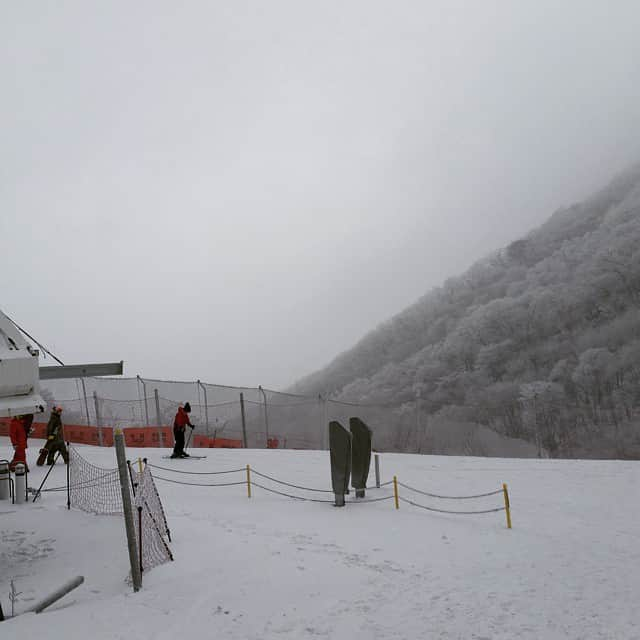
148 436
133 436
200 441
39 430
225 443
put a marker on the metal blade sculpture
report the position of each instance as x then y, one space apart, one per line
340 452
360 455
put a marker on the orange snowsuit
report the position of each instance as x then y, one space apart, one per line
18 429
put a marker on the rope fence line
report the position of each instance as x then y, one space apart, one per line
289 495
288 484
200 484
435 495
83 484
506 508
305 499
462 513
365 500
253 483
79 485
248 482
194 473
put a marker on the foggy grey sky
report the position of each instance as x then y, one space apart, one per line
238 191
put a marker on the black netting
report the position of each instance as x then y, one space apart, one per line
155 550
146 490
91 488
150 519
272 419
97 490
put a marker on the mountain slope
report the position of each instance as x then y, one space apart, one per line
540 340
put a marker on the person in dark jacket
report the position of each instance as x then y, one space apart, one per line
180 422
55 438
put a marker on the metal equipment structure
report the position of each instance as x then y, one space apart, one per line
20 372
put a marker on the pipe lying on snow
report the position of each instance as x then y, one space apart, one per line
58 593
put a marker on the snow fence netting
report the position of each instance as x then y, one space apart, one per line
97 490
224 416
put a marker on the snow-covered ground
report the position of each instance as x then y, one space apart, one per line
271 567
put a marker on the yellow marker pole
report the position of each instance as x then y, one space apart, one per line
507 507
248 481
140 465
395 491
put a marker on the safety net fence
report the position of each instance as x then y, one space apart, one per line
152 530
224 416
97 490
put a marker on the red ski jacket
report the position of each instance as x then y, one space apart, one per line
17 433
182 419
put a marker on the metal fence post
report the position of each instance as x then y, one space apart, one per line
98 418
266 415
206 406
323 424
146 406
244 422
158 419
69 476
376 460
136 576
140 537
86 402
325 432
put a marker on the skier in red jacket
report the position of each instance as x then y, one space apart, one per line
19 429
179 423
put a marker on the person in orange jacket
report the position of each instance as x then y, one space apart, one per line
19 429
179 423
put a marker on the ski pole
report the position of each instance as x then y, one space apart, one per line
188 439
35 497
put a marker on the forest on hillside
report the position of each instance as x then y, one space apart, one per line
539 341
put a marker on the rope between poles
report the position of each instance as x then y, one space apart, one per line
363 500
461 513
199 484
289 495
304 499
288 484
194 473
435 495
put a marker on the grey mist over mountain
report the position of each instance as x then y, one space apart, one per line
237 192
538 341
